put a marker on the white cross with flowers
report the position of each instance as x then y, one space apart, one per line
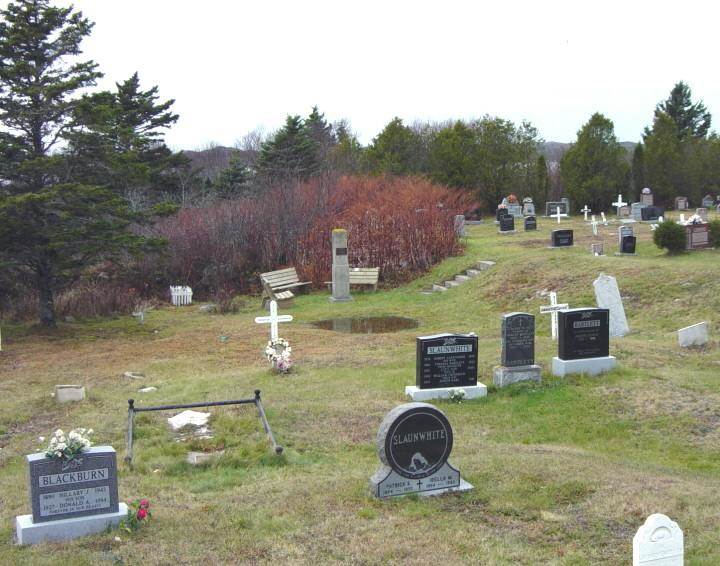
585 211
618 204
553 309
559 215
273 320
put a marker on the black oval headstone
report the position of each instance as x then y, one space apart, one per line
415 440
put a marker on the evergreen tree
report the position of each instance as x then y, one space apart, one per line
347 154
594 169
322 134
118 143
393 150
664 159
291 155
638 170
692 120
454 157
542 181
49 228
234 181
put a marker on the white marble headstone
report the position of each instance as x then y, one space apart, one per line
659 542
607 295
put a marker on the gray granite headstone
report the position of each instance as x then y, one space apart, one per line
636 210
86 485
623 231
646 197
608 297
517 343
414 443
681 203
340 266
459 225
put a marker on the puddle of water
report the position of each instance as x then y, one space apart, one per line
367 325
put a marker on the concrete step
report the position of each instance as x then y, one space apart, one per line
472 272
461 278
437 287
451 284
483 265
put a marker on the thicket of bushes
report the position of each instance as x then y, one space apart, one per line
403 225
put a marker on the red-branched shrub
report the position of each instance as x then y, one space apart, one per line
402 225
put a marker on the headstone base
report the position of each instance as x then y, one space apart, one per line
28 532
560 247
590 366
503 375
340 300
474 222
471 392
621 253
506 232
386 483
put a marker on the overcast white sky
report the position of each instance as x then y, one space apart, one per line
232 66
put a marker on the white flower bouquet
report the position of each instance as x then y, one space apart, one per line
279 354
66 447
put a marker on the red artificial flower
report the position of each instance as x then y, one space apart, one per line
144 503
141 514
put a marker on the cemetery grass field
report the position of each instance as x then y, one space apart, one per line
564 471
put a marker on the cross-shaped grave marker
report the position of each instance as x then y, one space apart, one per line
594 223
618 204
273 320
585 211
553 309
604 220
558 215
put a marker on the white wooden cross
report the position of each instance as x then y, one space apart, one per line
273 320
604 220
553 309
682 219
585 210
594 224
558 215
618 204
654 227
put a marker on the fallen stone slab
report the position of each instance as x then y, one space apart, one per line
695 335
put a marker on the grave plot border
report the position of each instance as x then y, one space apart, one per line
132 409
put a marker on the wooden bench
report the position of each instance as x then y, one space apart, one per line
278 285
362 276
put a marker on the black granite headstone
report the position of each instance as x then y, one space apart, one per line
85 485
446 360
583 333
552 207
562 238
518 339
530 223
507 223
501 212
651 213
627 245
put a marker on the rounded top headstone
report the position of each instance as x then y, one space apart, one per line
415 440
646 191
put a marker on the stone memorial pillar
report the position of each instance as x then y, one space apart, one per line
340 267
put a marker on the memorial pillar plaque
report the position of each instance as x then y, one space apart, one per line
340 266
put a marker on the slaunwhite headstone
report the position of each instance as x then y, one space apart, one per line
608 297
659 542
695 335
69 393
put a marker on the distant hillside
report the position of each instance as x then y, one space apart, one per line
553 151
213 160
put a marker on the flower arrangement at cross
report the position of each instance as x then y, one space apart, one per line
512 199
67 447
138 513
279 354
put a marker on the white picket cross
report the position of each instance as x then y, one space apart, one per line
618 204
604 220
553 309
594 223
585 211
558 215
273 320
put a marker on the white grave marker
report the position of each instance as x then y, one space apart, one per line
604 220
594 224
585 211
273 320
607 295
553 309
659 542
619 204
558 215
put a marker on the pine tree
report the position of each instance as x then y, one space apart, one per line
346 156
594 169
638 170
542 180
234 181
291 155
664 159
49 228
393 150
454 157
692 120
323 136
